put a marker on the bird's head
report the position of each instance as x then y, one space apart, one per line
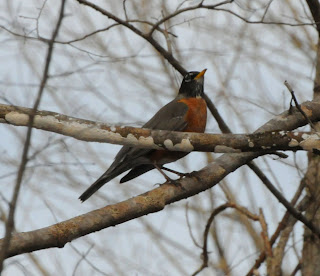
192 84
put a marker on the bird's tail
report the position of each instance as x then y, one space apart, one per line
135 172
103 179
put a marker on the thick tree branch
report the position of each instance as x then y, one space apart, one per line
159 139
153 201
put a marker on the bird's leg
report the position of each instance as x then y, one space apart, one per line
164 175
191 174
175 172
169 180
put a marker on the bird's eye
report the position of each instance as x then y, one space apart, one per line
188 77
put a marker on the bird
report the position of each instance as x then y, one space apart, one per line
187 113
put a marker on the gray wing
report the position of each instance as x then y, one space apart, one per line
169 117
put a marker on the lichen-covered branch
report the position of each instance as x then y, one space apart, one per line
180 141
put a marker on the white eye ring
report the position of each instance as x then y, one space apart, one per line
187 78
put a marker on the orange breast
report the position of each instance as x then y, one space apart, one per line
196 115
197 120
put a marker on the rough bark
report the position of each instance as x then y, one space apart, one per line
311 246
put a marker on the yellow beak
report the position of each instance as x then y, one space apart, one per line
200 74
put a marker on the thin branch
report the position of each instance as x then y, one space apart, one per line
264 22
296 269
83 257
168 56
283 223
215 113
296 214
24 158
265 238
205 256
215 212
266 10
298 106
189 228
125 9
198 6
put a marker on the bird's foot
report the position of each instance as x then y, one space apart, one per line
168 179
193 174
175 183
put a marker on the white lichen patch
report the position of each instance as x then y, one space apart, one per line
282 132
305 136
281 118
250 144
17 118
132 138
73 128
296 133
168 143
225 149
293 143
148 141
312 142
185 145
87 132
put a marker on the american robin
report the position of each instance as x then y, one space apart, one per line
187 112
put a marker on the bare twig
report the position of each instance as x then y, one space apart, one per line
283 223
298 106
263 22
83 257
189 227
198 6
205 256
296 269
218 210
125 9
266 10
24 158
298 215
265 238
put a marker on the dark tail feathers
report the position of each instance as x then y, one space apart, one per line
96 186
106 177
135 172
